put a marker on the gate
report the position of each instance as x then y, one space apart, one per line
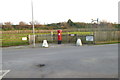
72 38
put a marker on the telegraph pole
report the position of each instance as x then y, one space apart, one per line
33 24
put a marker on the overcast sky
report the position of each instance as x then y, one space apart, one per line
52 11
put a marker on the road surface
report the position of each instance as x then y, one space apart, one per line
99 61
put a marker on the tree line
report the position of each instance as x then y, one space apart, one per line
61 25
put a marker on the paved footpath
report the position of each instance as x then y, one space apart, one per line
61 61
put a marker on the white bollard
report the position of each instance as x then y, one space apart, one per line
45 44
79 42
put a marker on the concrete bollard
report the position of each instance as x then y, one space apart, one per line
79 42
45 44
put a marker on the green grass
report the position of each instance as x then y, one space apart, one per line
15 43
13 40
109 42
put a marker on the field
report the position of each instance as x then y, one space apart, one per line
14 38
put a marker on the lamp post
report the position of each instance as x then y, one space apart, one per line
33 24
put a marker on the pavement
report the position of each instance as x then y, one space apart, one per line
39 45
61 61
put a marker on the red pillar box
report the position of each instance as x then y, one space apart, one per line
59 36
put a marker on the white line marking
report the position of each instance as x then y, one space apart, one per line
3 73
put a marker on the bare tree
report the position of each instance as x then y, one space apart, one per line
8 23
1 25
21 23
8 26
35 23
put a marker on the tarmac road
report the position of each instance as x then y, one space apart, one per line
99 61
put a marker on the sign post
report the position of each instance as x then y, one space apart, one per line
89 38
